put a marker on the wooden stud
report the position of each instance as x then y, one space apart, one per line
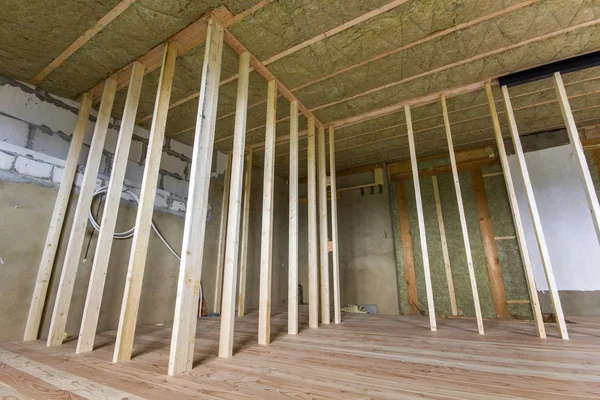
56 222
535 216
445 254
313 255
83 39
518 222
91 311
422 234
80 219
335 257
266 243
463 220
222 236
293 224
407 249
143 222
586 178
323 234
489 245
244 240
235 211
190 270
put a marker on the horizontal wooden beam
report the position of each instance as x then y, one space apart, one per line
81 40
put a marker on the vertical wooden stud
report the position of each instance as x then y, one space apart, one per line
489 245
244 240
293 224
313 255
445 254
422 234
463 220
514 206
335 257
56 222
190 270
323 229
535 216
91 311
586 178
143 222
235 211
407 249
222 236
80 219
266 244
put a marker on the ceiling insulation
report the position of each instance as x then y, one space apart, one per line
415 49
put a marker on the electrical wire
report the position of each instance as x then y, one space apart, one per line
129 233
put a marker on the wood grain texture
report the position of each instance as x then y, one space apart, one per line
335 256
323 225
366 357
409 261
313 249
244 240
489 245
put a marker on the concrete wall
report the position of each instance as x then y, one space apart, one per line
567 226
35 131
366 247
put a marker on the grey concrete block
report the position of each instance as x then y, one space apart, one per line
173 164
51 145
36 169
178 206
6 161
57 174
177 186
13 131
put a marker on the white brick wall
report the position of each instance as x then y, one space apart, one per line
35 132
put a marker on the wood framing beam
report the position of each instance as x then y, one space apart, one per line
244 239
584 170
313 251
323 228
57 219
445 254
235 212
407 249
335 256
293 224
463 220
190 270
489 245
143 222
421 219
81 40
80 219
222 236
535 216
93 301
266 243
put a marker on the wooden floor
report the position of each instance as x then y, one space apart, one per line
367 356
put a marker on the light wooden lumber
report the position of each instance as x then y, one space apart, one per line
463 220
244 240
93 301
293 224
143 222
421 219
80 219
235 211
56 222
222 236
489 245
573 132
81 40
445 254
313 255
181 355
535 216
323 228
266 243
335 256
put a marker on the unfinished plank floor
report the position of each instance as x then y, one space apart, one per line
367 356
